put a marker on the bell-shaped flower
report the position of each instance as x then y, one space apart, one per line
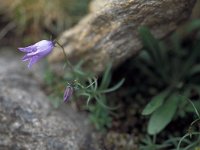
37 51
68 93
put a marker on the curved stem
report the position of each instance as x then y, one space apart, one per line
186 135
68 63
194 122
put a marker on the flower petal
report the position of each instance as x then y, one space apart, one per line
33 60
44 47
44 43
68 93
28 49
25 58
28 56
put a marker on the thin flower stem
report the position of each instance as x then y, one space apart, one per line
195 121
68 63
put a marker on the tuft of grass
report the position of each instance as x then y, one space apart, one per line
85 85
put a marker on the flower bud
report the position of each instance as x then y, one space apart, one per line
68 93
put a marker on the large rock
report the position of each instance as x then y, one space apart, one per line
27 120
110 31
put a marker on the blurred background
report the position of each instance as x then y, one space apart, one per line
26 21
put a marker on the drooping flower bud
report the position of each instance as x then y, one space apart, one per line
68 93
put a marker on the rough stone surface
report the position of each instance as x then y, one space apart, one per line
110 31
27 120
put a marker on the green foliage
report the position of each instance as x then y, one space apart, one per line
86 85
100 112
99 115
149 143
93 91
182 143
189 145
155 103
176 69
163 115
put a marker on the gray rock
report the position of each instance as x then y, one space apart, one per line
109 33
27 120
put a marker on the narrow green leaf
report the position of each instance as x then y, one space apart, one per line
92 84
80 72
106 77
155 103
115 87
150 43
195 108
154 49
163 115
101 100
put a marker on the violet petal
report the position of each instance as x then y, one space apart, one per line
28 49
68 93
33 60
37 51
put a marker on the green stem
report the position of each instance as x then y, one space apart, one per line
185 136
154 139
68 63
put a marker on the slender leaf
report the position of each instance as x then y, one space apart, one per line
164 56
150 43
184 137
195 109
106 77
115 87
153 47
101 99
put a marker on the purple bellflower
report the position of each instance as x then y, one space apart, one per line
68 93
37 51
